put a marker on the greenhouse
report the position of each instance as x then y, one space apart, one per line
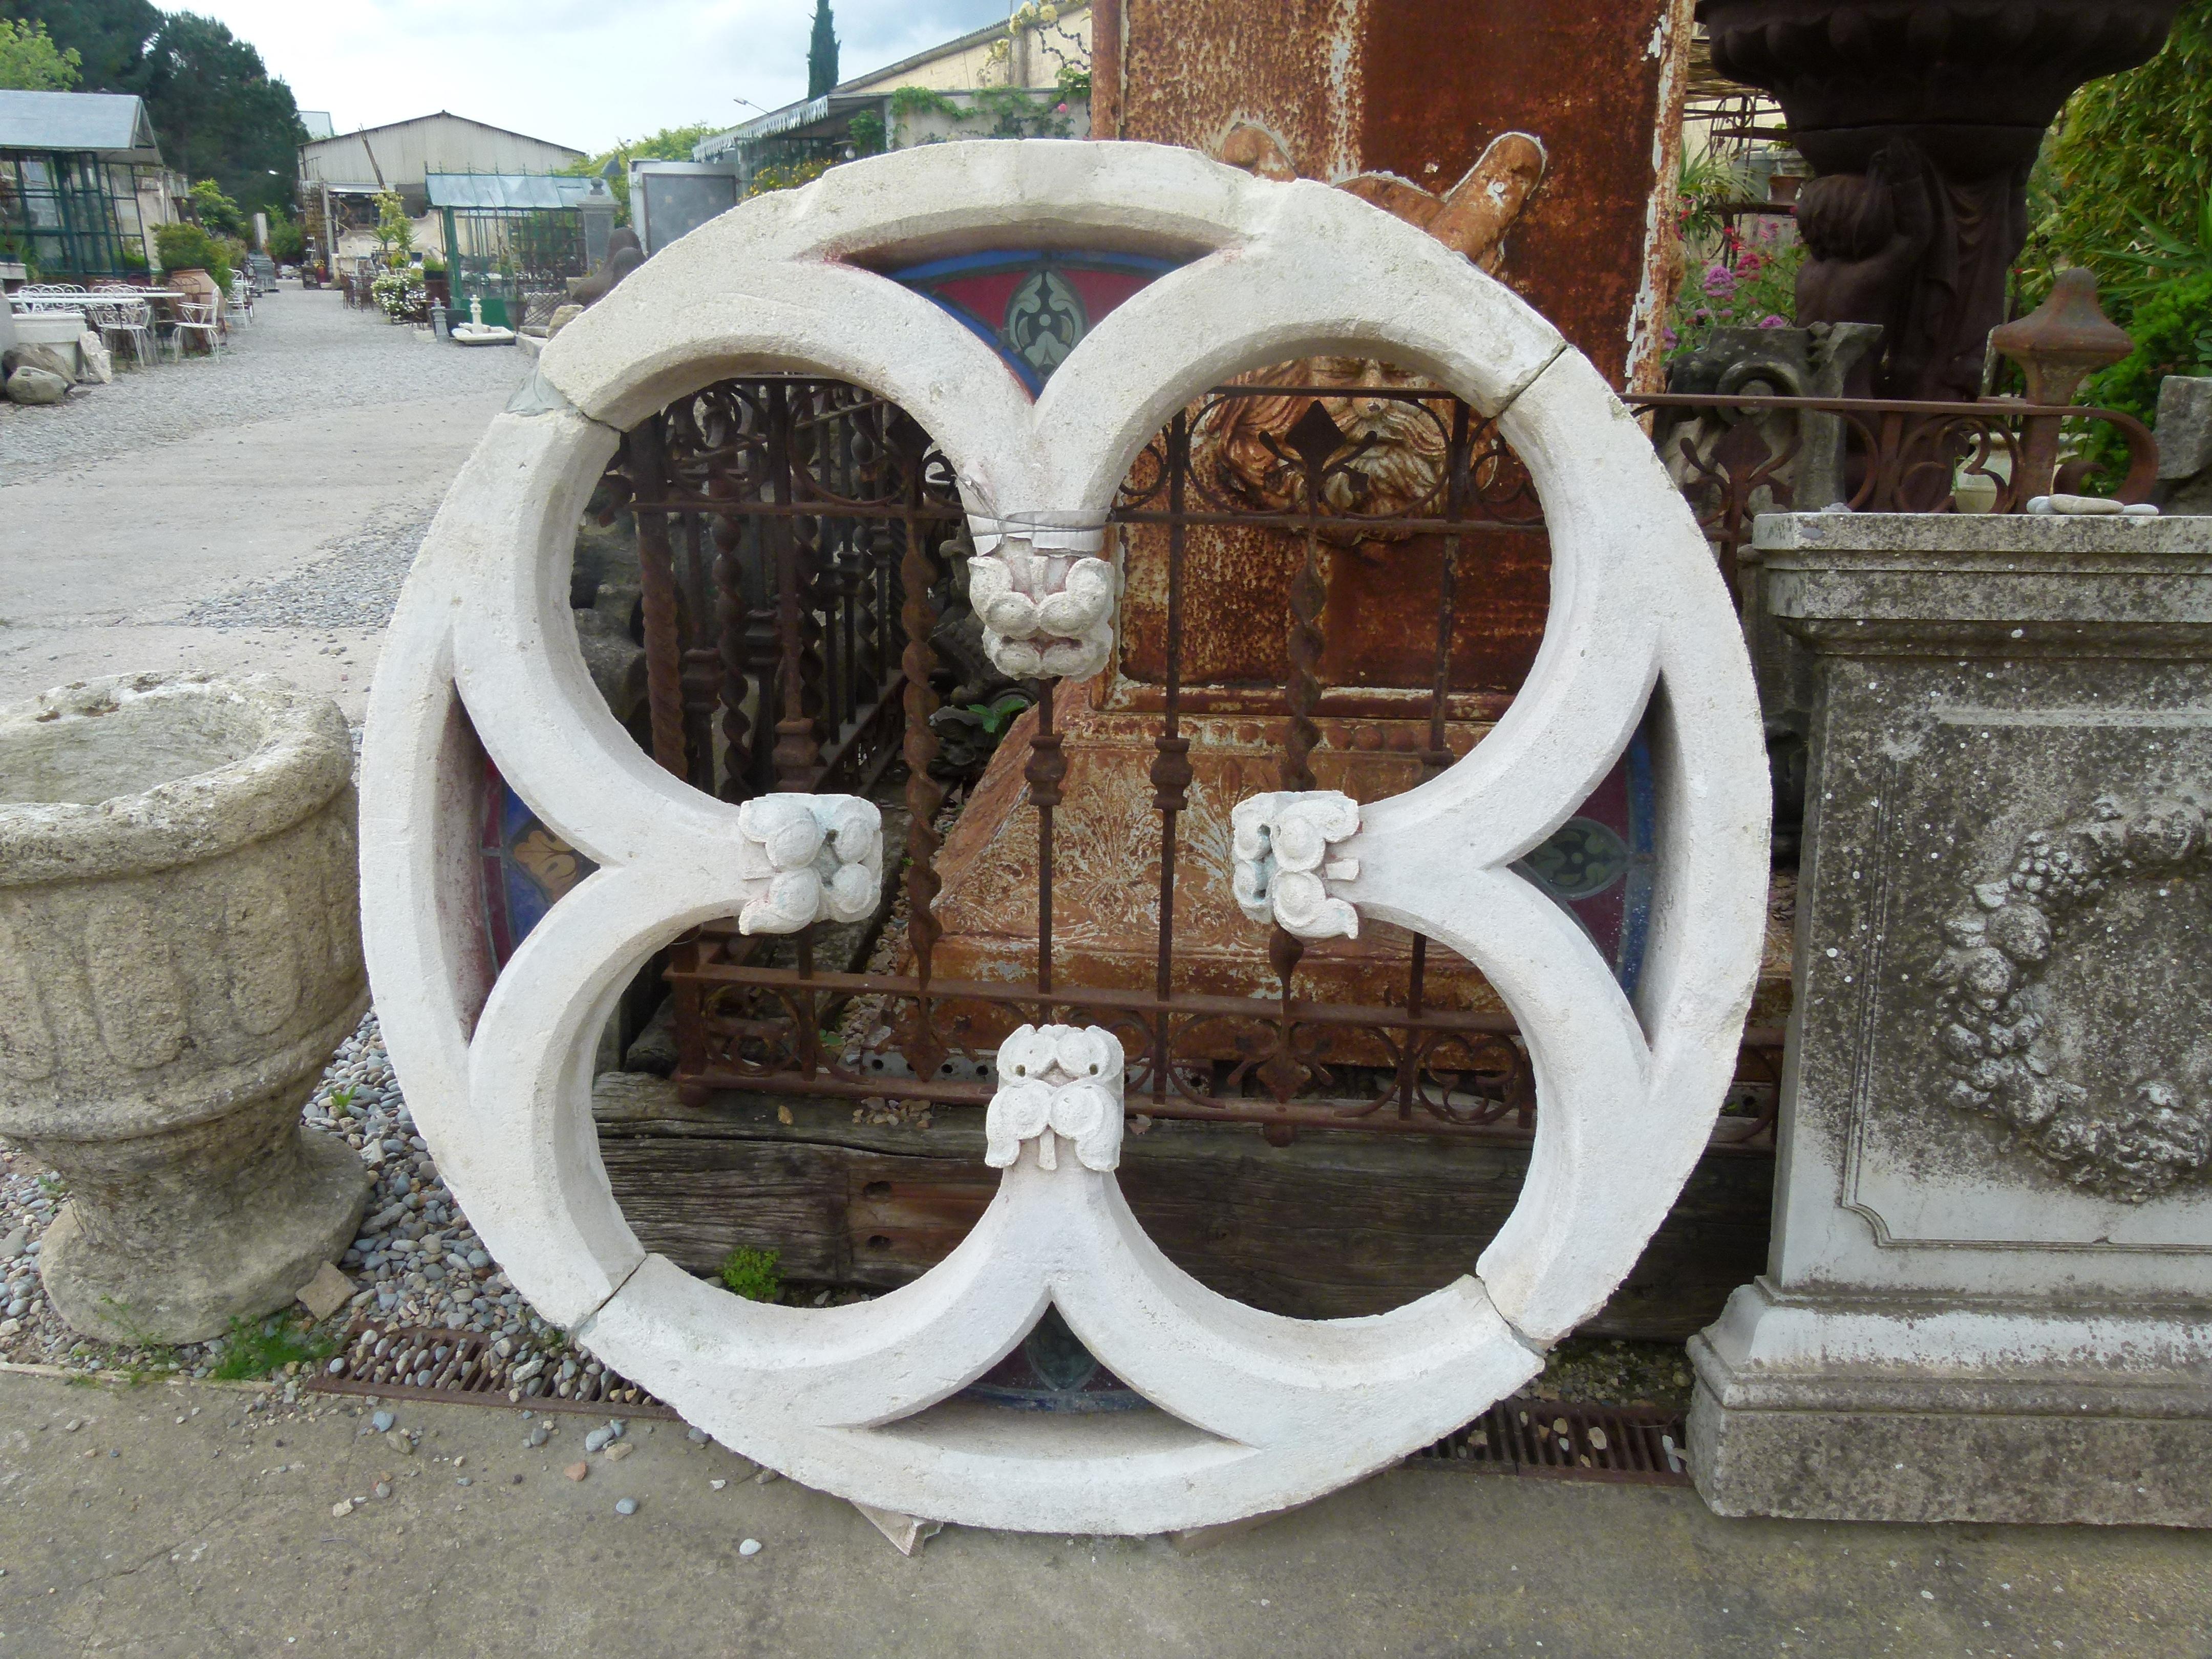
512 238
73 167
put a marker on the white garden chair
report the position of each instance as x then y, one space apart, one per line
241 298
196 317
117 312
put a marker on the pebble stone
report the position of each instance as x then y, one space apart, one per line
625 1506
750 1547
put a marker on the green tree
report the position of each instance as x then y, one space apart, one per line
822 52
30 62
669 144
287 242
218 112
395 231
2129 150
188 247
217 210
109 36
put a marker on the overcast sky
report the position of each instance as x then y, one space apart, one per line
574 73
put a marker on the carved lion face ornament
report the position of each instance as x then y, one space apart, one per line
1256 1412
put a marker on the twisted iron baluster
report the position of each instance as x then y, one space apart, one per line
798 737
924 794
663 687
1045 770
1171 771
1316 438
702 676
1438 755
730 616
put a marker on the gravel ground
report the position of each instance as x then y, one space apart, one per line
277 368
354 585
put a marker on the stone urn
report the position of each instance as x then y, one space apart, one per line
1923 121
179 956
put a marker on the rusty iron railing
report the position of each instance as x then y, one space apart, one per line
801 543
1899 456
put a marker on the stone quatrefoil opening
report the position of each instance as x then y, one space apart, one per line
1256 1412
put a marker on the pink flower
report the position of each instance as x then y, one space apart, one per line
1748 264
1774 322
1720 282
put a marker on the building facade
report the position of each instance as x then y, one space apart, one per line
340 176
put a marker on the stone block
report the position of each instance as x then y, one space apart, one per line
2184 425
1987 1294
95 364
2184 444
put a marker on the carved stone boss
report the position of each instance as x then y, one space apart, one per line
1258 1412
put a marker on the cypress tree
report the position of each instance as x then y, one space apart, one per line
822 52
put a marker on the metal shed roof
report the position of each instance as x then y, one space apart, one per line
112 123
516 192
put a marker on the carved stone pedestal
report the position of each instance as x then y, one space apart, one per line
1989 1295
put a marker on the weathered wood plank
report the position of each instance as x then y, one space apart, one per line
1331 1226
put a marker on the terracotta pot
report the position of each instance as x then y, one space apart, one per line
179 956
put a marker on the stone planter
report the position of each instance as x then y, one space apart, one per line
180 954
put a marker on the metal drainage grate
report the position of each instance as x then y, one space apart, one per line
413 1362
1642 1445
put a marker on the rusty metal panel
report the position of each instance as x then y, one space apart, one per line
1420 87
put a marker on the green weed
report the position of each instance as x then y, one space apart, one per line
753 1274
257 1348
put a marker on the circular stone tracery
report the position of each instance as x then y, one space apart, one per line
1257 1412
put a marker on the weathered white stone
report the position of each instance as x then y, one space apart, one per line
1057 1082
1043 595
1284 844
179 956
825 855
94 364
1260 1412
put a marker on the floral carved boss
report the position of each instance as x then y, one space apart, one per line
1256 1412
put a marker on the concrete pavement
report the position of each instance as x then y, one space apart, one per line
100 564
138 1534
